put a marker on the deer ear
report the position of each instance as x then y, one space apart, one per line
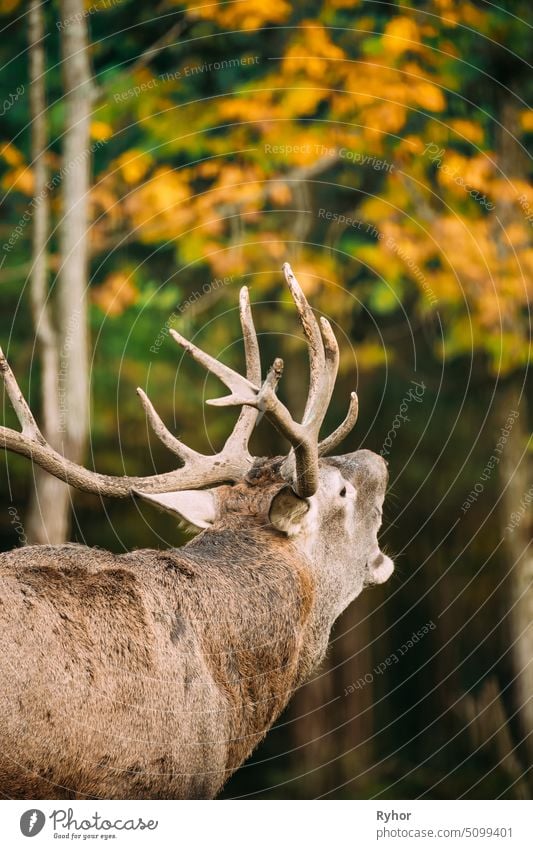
195 507
287 511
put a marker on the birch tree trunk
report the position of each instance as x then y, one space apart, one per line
64 349
73 231
44 523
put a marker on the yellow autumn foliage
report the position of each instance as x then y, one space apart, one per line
467 130
526 120
101 131
428 96
238 15
19 179
313 53
342 4
377 90
385 117
115 294
401 34
11 154
133 165
280 193
157 208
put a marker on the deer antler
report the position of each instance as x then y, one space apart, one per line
230 464
236 446
324 363
323 366
234 460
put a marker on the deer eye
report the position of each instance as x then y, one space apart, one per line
342 493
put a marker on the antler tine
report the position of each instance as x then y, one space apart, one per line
232 379
324 366
237 442
330 442
22 411
323 354
326 384
251 345
161 431
312 334
240 436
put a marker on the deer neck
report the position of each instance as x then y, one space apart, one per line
266 566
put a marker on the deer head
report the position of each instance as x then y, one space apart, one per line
328 508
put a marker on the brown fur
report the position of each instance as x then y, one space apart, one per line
153 674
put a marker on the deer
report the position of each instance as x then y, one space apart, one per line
154 674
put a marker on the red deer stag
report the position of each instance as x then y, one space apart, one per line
154 674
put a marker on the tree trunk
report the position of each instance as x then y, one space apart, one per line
44 523
514 471
65 380
73 236
517 522
353 654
